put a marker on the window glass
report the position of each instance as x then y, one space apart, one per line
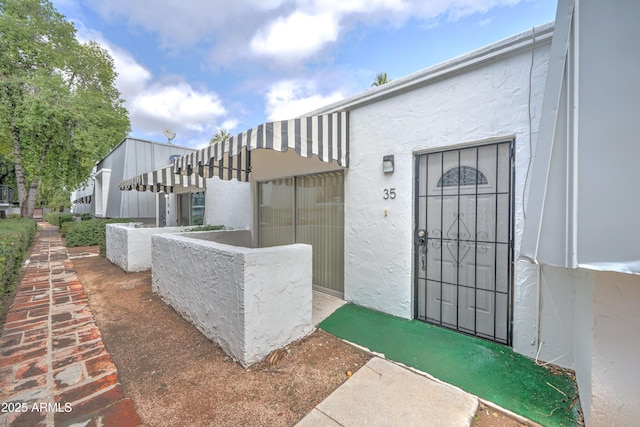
197 208
307 209
276 212
463 175
184 207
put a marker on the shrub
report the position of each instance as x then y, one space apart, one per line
206 228
15 237
58 218
90 232
64 228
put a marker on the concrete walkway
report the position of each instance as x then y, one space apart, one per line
382 393
54 369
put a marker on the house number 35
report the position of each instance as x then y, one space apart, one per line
389 193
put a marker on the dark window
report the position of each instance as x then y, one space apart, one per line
463 175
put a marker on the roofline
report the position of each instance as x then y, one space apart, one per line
152 142
502 48
141 140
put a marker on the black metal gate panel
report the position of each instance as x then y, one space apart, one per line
464 239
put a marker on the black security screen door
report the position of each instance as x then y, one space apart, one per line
464 239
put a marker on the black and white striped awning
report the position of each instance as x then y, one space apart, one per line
163 180
326 136
83 200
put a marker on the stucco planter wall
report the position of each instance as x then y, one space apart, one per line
248 301
129 247
227 237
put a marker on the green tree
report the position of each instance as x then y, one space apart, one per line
381 78
58 100
53 196
220 136
7 175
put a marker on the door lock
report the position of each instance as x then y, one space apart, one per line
421 240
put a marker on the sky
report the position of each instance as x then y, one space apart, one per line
198 66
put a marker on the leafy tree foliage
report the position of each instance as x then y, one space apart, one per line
51 195
381 78
220 136
7 176
60 111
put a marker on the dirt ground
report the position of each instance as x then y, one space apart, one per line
489 417
175 376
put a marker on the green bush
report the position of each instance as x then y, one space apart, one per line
89 233
59 218
206 228
15 237
64 228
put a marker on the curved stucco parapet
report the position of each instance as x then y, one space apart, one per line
248 301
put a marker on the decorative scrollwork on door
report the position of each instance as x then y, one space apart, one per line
458 241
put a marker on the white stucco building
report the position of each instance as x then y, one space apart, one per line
491 194
476 114
584 198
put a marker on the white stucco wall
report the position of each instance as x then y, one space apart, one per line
583 337
564 322
227 237
488 101
494 101
594 316
228 203
248 301
130 248
615 379
171 211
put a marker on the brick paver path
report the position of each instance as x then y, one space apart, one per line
54 369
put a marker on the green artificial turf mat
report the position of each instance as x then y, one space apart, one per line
491 371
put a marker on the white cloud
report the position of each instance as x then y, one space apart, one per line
244 33
292 98
454 10
288 30
157 103
176 105
178 23
297 35
132 77
483 23
229 124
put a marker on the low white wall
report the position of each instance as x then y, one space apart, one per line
130 248
248 301
226 237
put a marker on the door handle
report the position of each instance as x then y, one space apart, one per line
421 240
